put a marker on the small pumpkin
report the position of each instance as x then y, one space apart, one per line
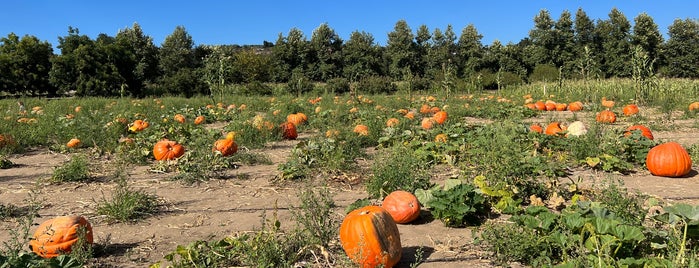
645 131
392 122
440 117
6 140
167 150
669 159
402 205
362 130
57 236
561 107
288 131
550 106
530 105
226 146
199 120
606 116
607 103
370 237
425 109
440 138
138 125
295 119
553 128
540 105
427 123
694 106
536 128
180 118
74 142
630 109
575 106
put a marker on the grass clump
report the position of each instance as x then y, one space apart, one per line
127 204
77 169
397 168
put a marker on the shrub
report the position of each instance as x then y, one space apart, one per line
397 169
75 170
376 85
545 73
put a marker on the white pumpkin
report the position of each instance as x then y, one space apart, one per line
577 128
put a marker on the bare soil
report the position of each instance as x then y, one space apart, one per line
235 203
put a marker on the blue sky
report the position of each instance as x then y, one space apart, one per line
252 22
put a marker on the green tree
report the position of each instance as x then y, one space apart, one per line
178 65
326 48
564 52
682 49
139 59
400 50
469 51
24 65
424 42
362 57
543 40
290 54
442 54
586 49
647 36
614 36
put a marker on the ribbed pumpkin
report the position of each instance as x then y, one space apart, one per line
553 128
536 128
645 131
669 159
575 106
694 106
288 131
561 107
392 122
57 236
74 142
630 109
361 130
226 146
540 105
370 237
180 118
402 205
606 116
440 117
199 120
167 150
295 119
427 123
550 106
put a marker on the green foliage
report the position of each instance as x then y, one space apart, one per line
316 217
77 169
397 168
320 153
458 205
127 204
375 85
545 73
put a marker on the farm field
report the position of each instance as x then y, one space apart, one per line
205 196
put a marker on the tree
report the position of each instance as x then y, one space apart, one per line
564 52
586 49
25 65
647 36
139 64
682 49
400 50
469 51
362 57
443 52
290 53
543 39
614 37
177 63
422 49
326 47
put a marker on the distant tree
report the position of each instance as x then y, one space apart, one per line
682 49
139 62
423 44
564 52
647 36
400 50
251 65
178 65
289 53
469 51
442 54
615 38
586 49
326 47
25 65
543 40
362 57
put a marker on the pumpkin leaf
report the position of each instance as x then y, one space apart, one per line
592 161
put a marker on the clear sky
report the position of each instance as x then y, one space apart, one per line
251 22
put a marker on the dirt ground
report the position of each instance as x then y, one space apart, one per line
220 207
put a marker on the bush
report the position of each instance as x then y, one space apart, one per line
545 73
397 169
376 85
337 86
75 170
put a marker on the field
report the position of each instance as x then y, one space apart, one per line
279 202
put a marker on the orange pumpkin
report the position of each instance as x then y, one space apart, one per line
425 109
295 119
226 146
199 120
180 118
561 107
392 122
550 106
427 123
57 236
410 115
645 131
72 143
530 106
669 159
440 117
138 125
694 106
288 131
607 103
167 150
370 237
540 105
440 138
606 116
575 106
536 128
402 205
630 109
553 128
362 130
6 140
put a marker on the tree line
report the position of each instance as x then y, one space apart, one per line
130 64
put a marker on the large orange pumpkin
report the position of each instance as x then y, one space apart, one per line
561 107
57 236
370 237
669 159
645 131
295 119
167 150
630 109
575 106
362 130
226 146
540 105
289 131
606 116
180 118
402 205
553 128
440 117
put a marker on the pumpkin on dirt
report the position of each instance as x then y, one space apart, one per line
362 130
575 106
606 116
167 150
440 117
561 107
645 131
669 159
694 106
553 128
226 146
607 103
288 130
370 237
74 142
57 236
630 109
402 205
536 128
540 105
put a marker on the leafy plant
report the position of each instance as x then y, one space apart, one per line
75 170
127 204
397 169
456 205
